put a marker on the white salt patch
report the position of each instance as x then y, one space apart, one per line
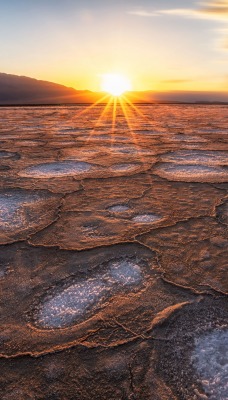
148 132
182 138
146 218
118 208
101 137
2 271
73 303
13 208
71 154
210 359
7 154
125 272
209 158
70 130
215 130
124 150
57 169
191 173
124 167
121 139
131 150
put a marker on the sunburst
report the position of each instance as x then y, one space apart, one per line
116 99
115 84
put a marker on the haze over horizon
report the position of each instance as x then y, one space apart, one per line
21 90
159 46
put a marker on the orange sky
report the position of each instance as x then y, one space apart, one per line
159 45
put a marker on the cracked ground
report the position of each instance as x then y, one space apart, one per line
113 253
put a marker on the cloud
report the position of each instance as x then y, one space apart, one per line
211 10
215 8
208 10
143 13
223 41
186 12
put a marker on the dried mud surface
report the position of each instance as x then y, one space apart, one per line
113 253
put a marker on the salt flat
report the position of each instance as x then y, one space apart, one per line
113 252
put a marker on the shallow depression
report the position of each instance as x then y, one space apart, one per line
125 272
12 206
191 173
146 218
56 169
118 208
8 155
197 157
210 360
23 211
124 167
82 298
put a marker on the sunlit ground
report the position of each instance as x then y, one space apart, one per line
116 86
114 107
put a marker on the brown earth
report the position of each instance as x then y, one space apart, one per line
113 250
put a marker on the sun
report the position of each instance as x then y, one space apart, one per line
115 84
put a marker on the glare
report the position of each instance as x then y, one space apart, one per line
115 84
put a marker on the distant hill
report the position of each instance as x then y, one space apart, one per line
21 90
178 97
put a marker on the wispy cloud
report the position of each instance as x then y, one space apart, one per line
144 13
209 10
186 12
215 8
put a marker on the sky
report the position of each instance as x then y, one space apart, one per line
159 45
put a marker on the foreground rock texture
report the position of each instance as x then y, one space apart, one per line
113 253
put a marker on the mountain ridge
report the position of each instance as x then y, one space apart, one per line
23 90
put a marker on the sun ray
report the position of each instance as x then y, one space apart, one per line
134 139
137 110
88 108
113 120
133 106
99 119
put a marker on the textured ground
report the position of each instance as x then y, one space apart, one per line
113 253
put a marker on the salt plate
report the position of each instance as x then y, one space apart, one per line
9 155
191 173
84 297
210 360
124 167
196 157
118 208
56 169
146 218
23 211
